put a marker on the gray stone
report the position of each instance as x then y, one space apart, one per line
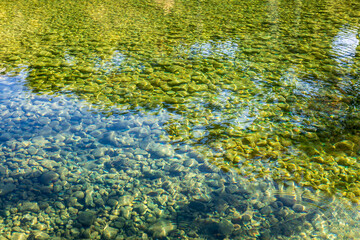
7 188
225 227
266 211
29 206
287 200
39 235
32 150
86 218
18 236
79 194
98 152
109 138
112 202
176 168
49 177
110 233
141 209
298 208
161 228
161 150
5 137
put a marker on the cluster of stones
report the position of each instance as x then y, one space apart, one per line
67 172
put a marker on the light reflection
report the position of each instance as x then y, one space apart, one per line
227 49
344 45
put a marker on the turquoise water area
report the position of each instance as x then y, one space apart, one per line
183 119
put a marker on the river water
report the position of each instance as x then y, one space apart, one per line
166 119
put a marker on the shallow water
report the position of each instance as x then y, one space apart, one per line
179 120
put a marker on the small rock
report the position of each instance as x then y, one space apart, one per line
225 227
60 205
98 152
176 168
189 162
29 206
141 209
7 188
126 212
287 200
208 168
110 233
125 200
79 194
5 137
49 164
49 177
112 202
298 208
86 218
344 145
246 217
44 120
160 150
109 138
266 211
39 235
32 150
18 236
161 228
89 200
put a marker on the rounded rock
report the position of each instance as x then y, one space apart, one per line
86 218
49 177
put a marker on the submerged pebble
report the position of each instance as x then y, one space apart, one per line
49 177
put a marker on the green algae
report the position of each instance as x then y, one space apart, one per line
259 85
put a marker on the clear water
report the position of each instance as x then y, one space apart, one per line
179 120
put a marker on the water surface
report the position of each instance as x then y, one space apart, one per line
179 119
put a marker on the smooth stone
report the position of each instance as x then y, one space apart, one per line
7 188
125 200
225 227
4 170
79 194
176 168
189 162
298 208
5 137
141 209
208 168
109 138
29 206
110 233
18 236
161 150
49 177
32 150
89 199
126 212
86 218
287 200
39 235
49 164
44 120
161 228
59 205
266 211
112 202
344 145
98 152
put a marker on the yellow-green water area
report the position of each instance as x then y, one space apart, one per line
263 87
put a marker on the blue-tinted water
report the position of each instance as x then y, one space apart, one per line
179 120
